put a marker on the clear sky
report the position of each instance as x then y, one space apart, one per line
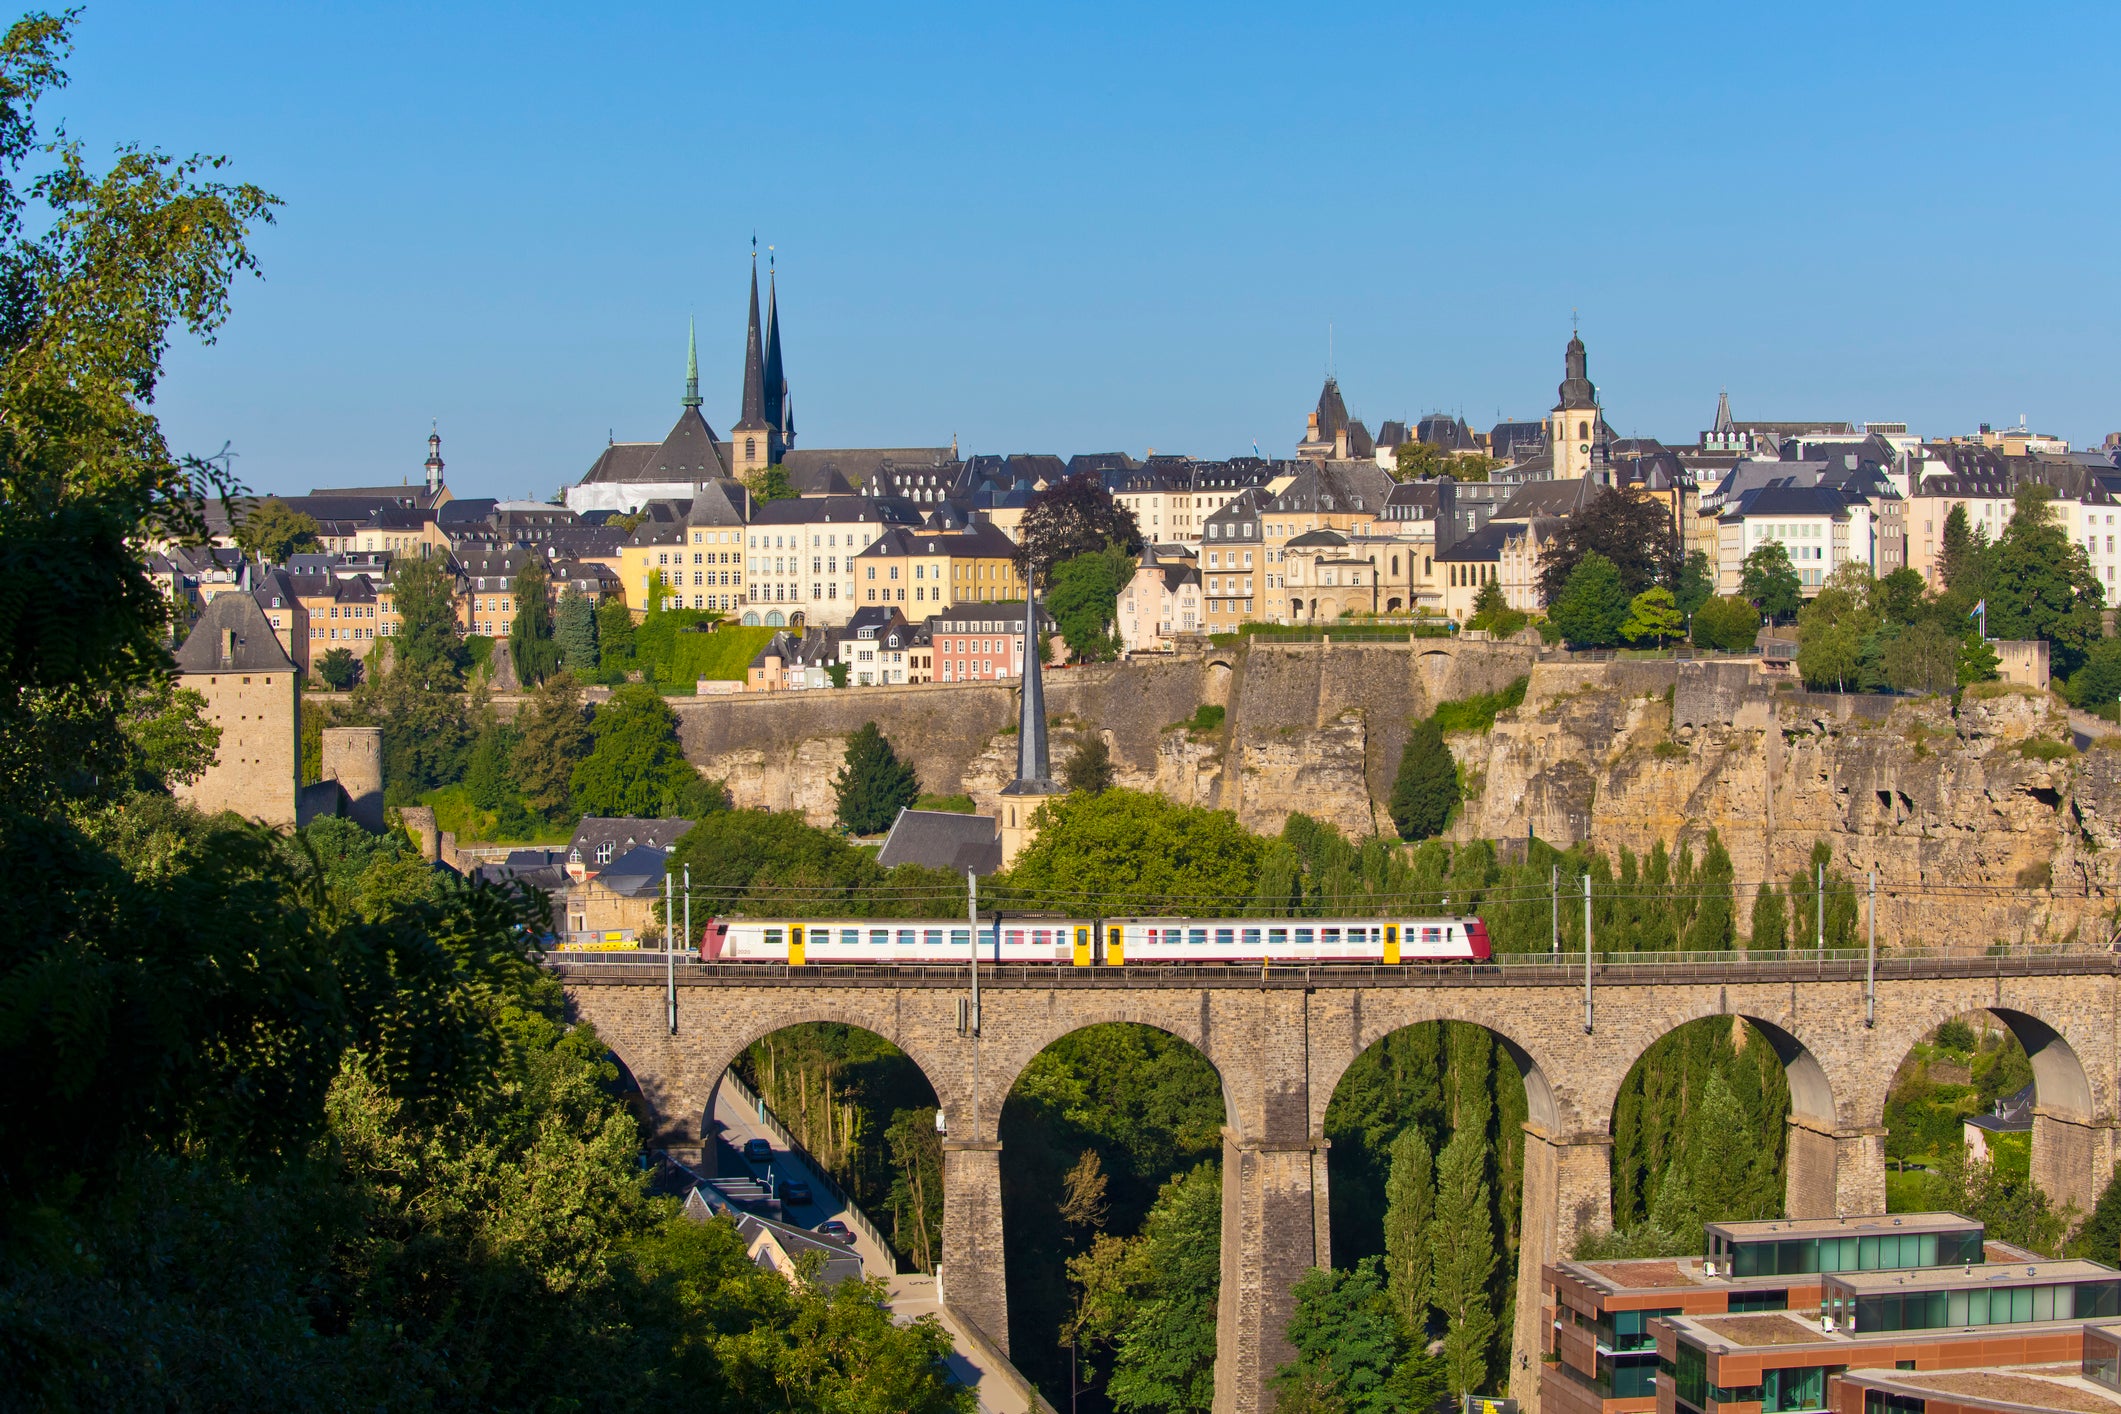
1088 228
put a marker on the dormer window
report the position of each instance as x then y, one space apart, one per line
604 852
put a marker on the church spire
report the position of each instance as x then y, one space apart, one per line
692 366
1724 426
753 418
777 416
1033 765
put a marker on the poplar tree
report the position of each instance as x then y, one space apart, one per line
1770 932
1426 790
1410 1205
1711 928
874 784
1462 1241
574 629
530 640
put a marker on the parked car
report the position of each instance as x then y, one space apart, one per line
836 1230
794 1190
758 1151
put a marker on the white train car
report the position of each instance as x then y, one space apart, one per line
1112 942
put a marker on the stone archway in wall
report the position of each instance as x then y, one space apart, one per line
2072 1152
1131 1069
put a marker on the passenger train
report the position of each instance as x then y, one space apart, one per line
1084 942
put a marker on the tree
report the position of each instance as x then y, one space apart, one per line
1924 657
428 648
1492 612
1351 1353
2041 584
339 669
1726 624
1150 1300
2096 686
1710 929
271 532
488 777
1089 766
1833 628
530 640
1074 516
173 740
1139 852
1418 461
1977 660
1653 614
874 785
1462 1239
1592 606
553 737
1635 536
426 736
636 766
1770 933
772 484
1083 597
574 631
1769 583
1697 583
1899 598
1426 791
1410 1204
1962 555
614 638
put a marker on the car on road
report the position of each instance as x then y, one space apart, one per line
758 1151
836 1230
794 1190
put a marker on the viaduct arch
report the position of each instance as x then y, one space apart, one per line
1281 1042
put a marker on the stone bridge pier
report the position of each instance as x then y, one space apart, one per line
1281 1044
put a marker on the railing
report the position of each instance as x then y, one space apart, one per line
855 1217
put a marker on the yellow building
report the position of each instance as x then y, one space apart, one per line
924 570
235 661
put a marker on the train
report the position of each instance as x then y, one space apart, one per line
1089 942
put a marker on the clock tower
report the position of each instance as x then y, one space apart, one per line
1573 426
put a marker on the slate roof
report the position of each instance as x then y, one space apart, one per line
256 649
637 873
1332 410
855 465
1450 434
943 839
1514 440
1483 544
688 452
622 462
622 832
1781 500
1336 487
1391 433
720 502
1006 614
1318 537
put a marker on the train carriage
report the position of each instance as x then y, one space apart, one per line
1084 942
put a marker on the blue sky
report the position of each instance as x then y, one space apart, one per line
1090 228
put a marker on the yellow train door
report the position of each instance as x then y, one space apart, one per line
1082 946
795 945
1115 949
1391 944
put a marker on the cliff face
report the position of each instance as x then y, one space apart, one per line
1990 799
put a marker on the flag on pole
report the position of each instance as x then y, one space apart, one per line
1978 610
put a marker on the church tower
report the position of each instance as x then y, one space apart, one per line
780 411
1573 426
1034 783
434 464
754 443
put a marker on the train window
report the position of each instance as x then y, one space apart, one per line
1303 937
906 937
1251 937
1225 936
1277 937
932 937
1041 937
960 937
1196 936
1330 937
1016 937
774 937
1432 936
986 937
879 937
850 937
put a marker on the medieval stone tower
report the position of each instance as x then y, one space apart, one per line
353 756
253 694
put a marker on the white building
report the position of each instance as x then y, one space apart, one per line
1162 600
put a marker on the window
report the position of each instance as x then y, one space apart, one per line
604 852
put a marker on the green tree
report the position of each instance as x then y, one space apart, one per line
772 484
615 638
1962 559
1634 536
488 775
874 785
1770 930
1089 766
271 531
636 767
1710 929
2041 584
1900 597
1769 583
426 737
428 647
1492 612
2100 1236
1592 605
1697 583
916 1199
1462 1239
1083 597
1833 628
1726 624
553 737
1977 660
1150 1300
1653 614
1410 1204
2096 686
1140 853
173 741
1924 657
574 630
1425 791
530 638
339 669
1351 1352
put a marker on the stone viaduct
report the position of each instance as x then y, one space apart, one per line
1281 1042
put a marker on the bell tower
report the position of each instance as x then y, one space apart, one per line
754 443
1572 427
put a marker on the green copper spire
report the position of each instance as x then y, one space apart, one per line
692 367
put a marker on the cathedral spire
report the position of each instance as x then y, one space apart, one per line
753 417
776 379
1033 765
692 366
